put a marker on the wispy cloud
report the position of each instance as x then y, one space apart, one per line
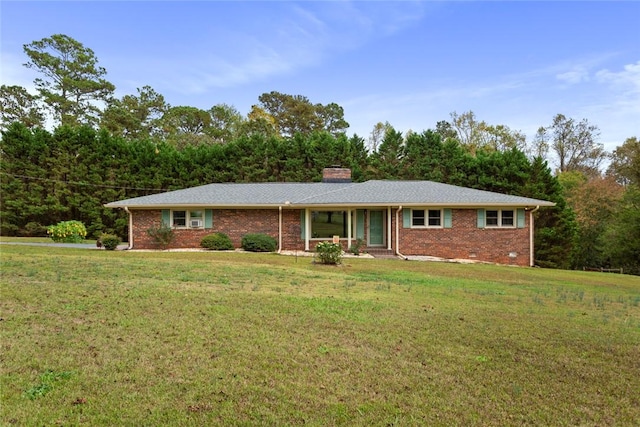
296 37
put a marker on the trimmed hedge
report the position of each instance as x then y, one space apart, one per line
217 242
259 243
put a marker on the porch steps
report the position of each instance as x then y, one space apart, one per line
381 253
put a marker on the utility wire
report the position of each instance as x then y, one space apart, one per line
81 183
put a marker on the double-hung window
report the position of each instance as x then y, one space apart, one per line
426 218
500 218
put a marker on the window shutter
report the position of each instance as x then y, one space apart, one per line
406 218
480 218
520 213
447 218
166 217
208 218
360 224
303 225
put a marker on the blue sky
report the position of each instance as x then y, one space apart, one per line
409 63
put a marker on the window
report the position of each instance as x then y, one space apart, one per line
326 224
417 218
179 219
191 219
426 218
507 219
500 218
435 218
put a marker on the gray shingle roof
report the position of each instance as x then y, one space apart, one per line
370 193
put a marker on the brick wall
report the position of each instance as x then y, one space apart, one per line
464 240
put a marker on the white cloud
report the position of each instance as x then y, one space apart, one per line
628 79
576 76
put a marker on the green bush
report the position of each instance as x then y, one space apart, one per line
161 235
34 229
67 232
259 243
110 241
329 253
217 242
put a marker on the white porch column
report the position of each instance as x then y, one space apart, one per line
389 228
349 234
307 228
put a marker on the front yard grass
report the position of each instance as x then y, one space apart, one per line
201 338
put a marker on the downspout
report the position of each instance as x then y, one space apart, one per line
531 260
279 229
126 209
398 234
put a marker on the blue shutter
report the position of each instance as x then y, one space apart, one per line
447 218
521 221
303 225
406 218
480 218
208 218
360 224
166 217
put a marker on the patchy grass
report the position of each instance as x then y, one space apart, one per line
193 338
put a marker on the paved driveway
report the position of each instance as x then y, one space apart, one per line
63 245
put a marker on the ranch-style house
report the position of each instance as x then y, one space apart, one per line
403 218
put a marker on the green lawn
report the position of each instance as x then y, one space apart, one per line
195 338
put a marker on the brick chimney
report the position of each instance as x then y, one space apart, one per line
336 174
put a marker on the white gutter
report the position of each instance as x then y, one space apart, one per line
126 209
531 260
398 234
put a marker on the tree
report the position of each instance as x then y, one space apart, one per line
331 118
477 135
226 123
184 126
621 239
386 162
295 113
135 116
574 144
594 200
377 135
18 105
72 82
259 121
625 162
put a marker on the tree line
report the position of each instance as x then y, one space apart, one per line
103 149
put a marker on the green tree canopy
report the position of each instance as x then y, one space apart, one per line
71 82
18 105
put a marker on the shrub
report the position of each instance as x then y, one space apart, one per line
355 249
217 242
34 229
259 243
161 235
110 241
329 253
67 232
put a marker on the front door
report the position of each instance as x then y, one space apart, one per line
376 228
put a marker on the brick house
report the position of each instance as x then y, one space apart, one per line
405 218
